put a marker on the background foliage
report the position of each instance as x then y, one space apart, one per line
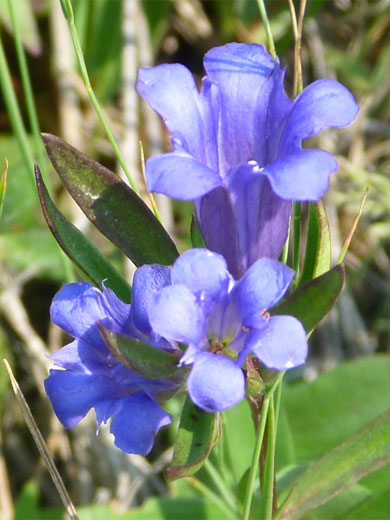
344 385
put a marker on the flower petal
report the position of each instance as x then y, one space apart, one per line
175 314
148 280
262 218
73 394
136 421
215 213
203 272
323 104
261 287
215 383
301 175
245 79
180 176
171 91
76 308
281 344
80 357
119 312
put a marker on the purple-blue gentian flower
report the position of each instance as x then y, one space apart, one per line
92 377
237 147
222 321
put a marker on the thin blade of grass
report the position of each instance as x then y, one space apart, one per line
41 445
3 185
353 229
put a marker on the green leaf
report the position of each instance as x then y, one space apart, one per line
318 247
111 205
196 436
79 248
377 506
314 299
340 505
161 508
148 361
324 412
363 453
196 236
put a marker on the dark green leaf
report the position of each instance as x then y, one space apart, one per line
111 205
79 248
314 299
317 256
363 453
195 439
196 236
148 361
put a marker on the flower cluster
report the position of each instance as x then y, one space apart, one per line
237 149
222 320
91 376
196 302
237 153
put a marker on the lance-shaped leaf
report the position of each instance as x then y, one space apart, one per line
363 453
148 361
317 257
111 205
313 300
198 433
79 248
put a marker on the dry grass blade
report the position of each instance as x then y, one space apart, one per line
3 185
41 445
353 229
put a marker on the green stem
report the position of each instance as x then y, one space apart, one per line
255 459
297 237
14 113
68 12
18 127
267 27
269 391
28 92
268 484
220 484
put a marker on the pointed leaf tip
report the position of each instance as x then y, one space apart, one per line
111 205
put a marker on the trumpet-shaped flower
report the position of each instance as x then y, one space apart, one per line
92 377
237 147
222 320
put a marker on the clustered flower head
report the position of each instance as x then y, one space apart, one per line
222 320
237 153
92 377
237 147
195 302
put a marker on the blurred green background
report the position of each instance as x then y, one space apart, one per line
343 39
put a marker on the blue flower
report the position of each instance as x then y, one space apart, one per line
237 147
222 321
92 377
